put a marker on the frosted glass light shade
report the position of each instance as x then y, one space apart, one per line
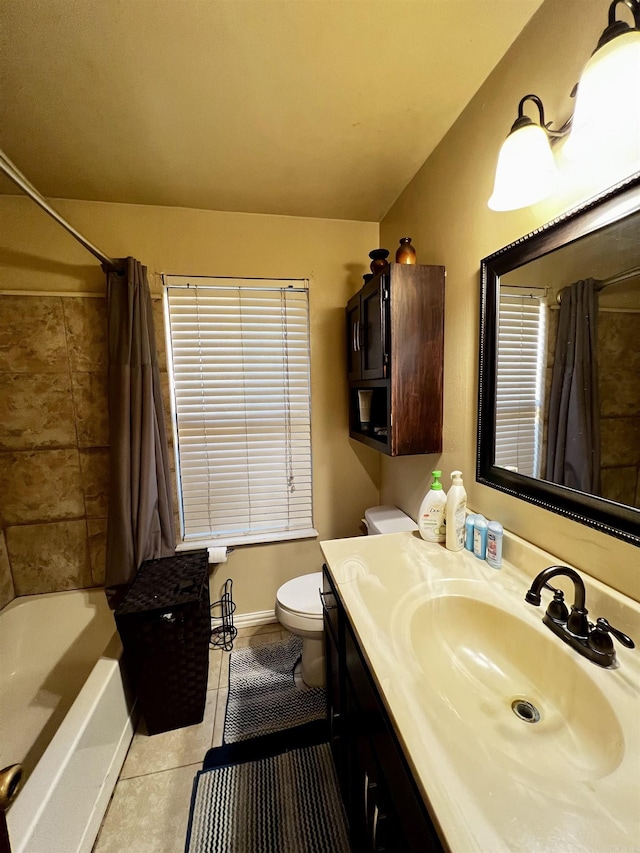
606 122
526 171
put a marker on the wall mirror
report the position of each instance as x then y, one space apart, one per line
559 383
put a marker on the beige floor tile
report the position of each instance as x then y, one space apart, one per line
154 753
218 728
149 814
216 659
223 681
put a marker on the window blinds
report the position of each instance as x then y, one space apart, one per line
520 380
241 402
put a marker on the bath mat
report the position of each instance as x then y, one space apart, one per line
266 746
285 804
263 694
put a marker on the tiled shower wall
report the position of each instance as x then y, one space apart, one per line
618 371
619 365
54 442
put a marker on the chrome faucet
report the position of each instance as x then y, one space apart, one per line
592 641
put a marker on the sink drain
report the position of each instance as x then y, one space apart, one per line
525 711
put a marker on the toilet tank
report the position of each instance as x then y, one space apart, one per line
387 519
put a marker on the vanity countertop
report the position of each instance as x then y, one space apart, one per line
452 645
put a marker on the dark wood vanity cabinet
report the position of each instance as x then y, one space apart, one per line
395 356
385 811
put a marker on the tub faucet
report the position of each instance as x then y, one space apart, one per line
591 641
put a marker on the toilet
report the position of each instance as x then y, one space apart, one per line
299 610
299 606
387 519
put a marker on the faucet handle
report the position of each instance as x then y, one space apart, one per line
557 609
600 641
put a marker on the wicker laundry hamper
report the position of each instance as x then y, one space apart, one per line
164 623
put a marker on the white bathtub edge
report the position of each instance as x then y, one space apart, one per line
39 818
102 803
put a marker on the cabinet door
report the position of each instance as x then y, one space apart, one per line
354 339
373 826
334 680
373 320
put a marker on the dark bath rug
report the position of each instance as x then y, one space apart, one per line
263 694
288 803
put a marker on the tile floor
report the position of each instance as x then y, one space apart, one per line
149 810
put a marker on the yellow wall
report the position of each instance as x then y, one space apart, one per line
444 209
37 255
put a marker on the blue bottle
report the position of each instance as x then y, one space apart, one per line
468 531
480 537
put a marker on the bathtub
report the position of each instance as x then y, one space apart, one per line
65 715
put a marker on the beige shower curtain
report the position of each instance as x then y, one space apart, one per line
140 524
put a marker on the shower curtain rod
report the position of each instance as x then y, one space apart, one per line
15 175
614 279
607 282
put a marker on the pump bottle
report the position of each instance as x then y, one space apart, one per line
431 519
455 513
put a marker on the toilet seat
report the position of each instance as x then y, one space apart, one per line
301 596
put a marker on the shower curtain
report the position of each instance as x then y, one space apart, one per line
573 446
140 521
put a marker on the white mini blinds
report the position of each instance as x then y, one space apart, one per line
520 379
241 405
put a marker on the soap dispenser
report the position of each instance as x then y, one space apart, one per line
431 520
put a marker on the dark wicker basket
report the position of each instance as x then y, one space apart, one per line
164 623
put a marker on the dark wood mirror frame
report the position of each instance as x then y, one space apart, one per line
612 518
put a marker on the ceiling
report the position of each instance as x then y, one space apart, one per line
299 107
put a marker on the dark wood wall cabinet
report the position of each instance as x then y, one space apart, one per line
385 810
395 358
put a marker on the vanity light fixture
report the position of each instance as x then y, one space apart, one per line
607 111
526 170
605 123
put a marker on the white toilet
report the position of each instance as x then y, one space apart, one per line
299 606
387 519
299 610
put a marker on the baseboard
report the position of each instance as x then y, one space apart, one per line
249 620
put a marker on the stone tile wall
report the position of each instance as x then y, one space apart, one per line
54 438
54 442
619 364
619 386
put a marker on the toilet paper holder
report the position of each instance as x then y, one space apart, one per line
219 553
223 632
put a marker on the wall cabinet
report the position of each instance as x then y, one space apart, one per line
384 808
395 356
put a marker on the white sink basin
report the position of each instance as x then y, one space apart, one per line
515 687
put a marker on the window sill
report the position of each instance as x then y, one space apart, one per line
251 539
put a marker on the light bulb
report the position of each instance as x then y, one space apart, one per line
526 170
606 122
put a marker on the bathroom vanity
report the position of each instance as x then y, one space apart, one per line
395 357
433 661
384 807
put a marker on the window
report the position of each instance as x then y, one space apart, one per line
239 361
520 380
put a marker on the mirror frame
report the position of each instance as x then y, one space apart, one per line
609 517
